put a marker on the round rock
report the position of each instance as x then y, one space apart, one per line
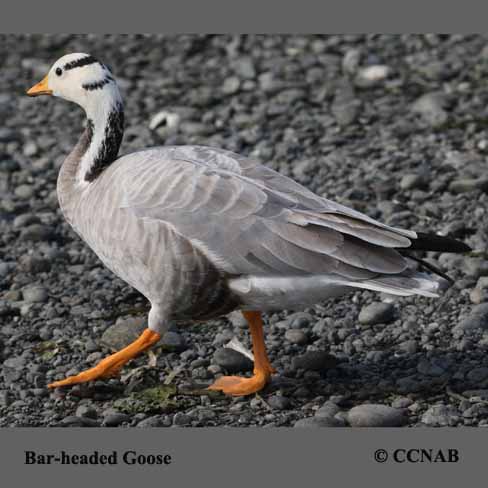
35 294
232 361
377 313
372 415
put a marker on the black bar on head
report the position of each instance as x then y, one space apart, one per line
78 63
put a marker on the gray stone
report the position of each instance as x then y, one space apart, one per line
441 415
351 60
299 320
5 269
430 107
123 332
412 181
296 336
480 293
35 294
401 402
24 191
477 319
36 233
155 421
25 219
478 375
244 68
73 421
165 123
173 341
317 422
231 85
30 149
476 267
181 418
34 263
372 75
232 361
86 410
115 419
468 185
238 320
377 313
328 409
278 402
374 415
314 361
429 368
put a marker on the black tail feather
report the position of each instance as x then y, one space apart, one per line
433 242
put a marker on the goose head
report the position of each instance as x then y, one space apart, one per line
79 78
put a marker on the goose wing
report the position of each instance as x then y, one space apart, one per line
250 219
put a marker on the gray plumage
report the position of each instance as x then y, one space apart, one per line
202 231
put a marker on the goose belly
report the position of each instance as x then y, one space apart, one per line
161 264
269 293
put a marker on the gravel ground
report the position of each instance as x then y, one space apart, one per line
395 126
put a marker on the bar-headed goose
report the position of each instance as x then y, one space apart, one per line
202 231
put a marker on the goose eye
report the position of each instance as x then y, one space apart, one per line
59 71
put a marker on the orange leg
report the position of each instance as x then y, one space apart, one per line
237 386
112 364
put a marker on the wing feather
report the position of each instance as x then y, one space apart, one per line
255 220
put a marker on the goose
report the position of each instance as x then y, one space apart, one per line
202 231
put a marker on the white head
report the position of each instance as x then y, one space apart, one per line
81 79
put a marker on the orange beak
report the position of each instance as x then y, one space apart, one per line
40 89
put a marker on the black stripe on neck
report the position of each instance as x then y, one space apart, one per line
97 85
109 148
78 63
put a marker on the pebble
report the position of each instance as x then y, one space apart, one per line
296 336
480 293
315 422
441 416
328 409
372 75
181 418
477 319
73 421
478 375
244 68
402 402
238 320
155 421
351 60
35 294
314 361
468 185
34 264
231 85
123 332
165 123
88 411
115 419
37 233
278 402
377 313
24 192
430 107
25 219
173 341
30 149
371 415
299 320
412 181
232 361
